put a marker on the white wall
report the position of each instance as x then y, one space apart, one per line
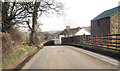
60 38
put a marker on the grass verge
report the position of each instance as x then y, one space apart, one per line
20 53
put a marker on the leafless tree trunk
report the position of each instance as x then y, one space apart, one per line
34 21
18 12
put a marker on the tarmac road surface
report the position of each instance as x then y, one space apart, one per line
65 57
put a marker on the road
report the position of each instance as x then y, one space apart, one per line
65 57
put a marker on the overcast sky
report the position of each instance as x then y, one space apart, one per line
77 13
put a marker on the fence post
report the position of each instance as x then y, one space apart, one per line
92 39
117 41
88 39
101 40
80 39
96 39
83 39
108 41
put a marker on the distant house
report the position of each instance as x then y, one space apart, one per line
106 23
68 32
84 31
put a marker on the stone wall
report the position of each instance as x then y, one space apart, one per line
67 40
75 39
101 26
119 23
115 25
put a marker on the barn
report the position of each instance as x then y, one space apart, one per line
107 22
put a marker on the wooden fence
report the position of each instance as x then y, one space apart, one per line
108 41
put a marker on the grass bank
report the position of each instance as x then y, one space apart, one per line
19 55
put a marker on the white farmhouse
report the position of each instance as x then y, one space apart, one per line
83 31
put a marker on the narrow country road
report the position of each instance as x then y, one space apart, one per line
65 57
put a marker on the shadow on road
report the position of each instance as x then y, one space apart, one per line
50 43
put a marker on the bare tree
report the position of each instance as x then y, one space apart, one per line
39 8
10 10
15 13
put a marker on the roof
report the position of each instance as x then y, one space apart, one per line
82 32
108 13
72 31
88 29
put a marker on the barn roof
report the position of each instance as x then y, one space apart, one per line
108 13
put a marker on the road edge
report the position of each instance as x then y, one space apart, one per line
101 57
22 64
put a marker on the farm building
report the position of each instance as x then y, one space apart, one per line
83 31
68 32
107 22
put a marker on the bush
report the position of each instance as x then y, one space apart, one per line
7 45
41 36
37 40
16 35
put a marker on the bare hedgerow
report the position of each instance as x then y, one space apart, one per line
7 45
17 36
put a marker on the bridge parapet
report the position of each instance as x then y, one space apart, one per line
108 41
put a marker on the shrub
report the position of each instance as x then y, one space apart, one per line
37 40
16 35
7 44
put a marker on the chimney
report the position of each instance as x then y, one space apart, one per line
78 28
67 27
